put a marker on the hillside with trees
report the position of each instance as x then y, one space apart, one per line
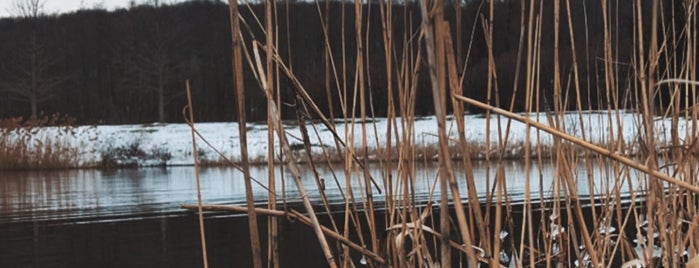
130 65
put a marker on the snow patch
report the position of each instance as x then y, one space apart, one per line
171 144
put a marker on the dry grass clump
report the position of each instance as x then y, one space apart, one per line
22 146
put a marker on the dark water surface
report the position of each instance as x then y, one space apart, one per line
131 217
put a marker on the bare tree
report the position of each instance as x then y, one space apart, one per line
32 76
155 71
30 9
151 65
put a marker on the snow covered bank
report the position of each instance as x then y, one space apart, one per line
170 144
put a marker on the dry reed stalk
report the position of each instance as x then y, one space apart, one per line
488 32
500 185
691 61
474 204
272 227
409 165
386 10
459 42
240 97
535 108
328 60
690 93
292 163
347 151
656 188
579 106
406 153
302 114
435 59
294 169
620 142
647 82
348 209
330 66
351 157
515 88
288 35
361 84
492 88
527 221
675 105
406 73
558 121
278 87
446 169
343 93
195 156
576 72
300 90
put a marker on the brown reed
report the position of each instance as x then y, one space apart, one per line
663 201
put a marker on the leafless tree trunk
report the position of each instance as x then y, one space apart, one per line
33 77
154 68
161 99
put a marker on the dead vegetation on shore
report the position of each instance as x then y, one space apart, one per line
25 144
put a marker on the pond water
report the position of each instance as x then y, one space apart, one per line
125 193
132 217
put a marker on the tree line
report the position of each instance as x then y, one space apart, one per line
130 65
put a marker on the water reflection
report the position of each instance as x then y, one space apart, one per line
71 194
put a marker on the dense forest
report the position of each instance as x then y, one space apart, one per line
130 65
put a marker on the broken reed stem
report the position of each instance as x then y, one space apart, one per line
195 155
585 144
295 215
240 98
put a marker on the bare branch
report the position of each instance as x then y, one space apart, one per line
31 9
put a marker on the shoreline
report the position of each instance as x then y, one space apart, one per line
152 145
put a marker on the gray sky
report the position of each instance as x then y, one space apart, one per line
62 6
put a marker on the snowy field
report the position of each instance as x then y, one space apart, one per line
170 144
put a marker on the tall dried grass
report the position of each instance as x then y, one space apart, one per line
24 146
553 228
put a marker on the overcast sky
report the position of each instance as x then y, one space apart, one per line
62 6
